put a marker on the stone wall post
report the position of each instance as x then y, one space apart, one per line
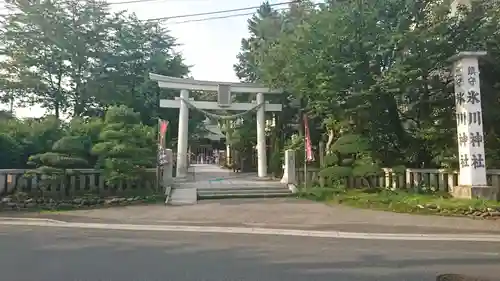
289 173
166 176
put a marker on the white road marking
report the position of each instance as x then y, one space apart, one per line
30 219
260 231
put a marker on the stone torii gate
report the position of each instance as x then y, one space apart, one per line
224 102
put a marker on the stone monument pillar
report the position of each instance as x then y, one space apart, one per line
470 136
472 179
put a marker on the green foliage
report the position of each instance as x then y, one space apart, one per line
275 161
119 144
243 135
349 156
403 201
79 58
67 154
350 144
381 67
295 143
264 28
125 146
31 137
10 151
336 172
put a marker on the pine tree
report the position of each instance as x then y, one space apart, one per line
56 166
125 147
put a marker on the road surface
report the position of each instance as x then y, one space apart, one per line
62 254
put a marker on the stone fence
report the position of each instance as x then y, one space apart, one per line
439 179
89 181
83 182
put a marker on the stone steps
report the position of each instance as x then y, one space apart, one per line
243 192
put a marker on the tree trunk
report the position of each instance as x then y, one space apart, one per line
331 136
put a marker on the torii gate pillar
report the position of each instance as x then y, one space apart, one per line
182 139
261 138
224 102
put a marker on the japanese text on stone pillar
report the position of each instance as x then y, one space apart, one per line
469 121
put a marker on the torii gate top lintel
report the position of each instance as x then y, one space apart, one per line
224 91
200 85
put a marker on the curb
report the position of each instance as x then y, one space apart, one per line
257 231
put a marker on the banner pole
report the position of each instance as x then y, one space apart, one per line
308 155
304 121
305 165
158 171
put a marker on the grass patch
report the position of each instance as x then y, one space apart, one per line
405 201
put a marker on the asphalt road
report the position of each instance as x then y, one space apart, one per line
57 254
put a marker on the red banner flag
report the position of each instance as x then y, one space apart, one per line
163 130
308 146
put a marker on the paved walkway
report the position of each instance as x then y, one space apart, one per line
213 176
280 213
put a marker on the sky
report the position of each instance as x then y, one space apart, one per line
210 47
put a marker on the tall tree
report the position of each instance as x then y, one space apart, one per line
51 48
138 48
75 57
125 146
266 28
353 60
